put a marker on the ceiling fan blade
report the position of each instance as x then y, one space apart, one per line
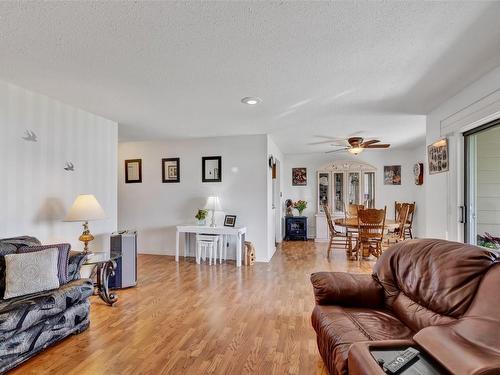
329 137
339 144
341 149
369 142
382 145
322 142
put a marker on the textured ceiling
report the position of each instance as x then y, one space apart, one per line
179 69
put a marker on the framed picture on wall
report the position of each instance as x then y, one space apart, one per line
437 154
170 170
133 171
392 175
211 169
299 176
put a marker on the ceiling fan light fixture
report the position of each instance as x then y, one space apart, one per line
355 150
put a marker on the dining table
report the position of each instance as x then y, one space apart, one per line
351 223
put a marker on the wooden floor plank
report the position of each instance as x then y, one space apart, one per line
185 318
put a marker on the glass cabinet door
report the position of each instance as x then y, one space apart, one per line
323 190
353 187
338 191
369 189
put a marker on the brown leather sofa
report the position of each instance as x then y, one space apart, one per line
442 296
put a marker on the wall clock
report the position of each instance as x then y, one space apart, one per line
418 172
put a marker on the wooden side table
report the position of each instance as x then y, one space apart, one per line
104 267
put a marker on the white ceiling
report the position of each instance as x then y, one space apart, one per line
179 69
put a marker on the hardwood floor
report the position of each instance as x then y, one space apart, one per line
198 319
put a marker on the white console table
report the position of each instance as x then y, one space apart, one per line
239 232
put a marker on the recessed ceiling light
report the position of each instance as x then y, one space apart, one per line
250 100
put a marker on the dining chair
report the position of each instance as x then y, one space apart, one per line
371 228
402 217
351 212
336 237
409 220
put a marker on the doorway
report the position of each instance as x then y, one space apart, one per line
482 185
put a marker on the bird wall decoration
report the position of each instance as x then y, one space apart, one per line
30 136
69 167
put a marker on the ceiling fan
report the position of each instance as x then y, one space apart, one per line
356 145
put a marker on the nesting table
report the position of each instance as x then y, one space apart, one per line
238 232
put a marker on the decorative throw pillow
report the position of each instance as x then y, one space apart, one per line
62 263
31 272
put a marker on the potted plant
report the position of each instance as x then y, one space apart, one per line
201 216
489 241
300 206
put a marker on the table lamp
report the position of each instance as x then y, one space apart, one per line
213 204
85 208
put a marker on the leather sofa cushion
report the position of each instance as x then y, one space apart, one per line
338 327
441 276
417 316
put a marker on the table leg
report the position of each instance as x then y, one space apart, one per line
104 271
238 251
187 244
177 246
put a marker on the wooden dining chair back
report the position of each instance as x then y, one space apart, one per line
352 210
408 229
371 227
336 237
409 220
402 220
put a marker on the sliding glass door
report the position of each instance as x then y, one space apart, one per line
482 181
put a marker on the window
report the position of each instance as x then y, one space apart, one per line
482 192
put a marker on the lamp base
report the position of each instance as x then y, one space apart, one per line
86 237
212 223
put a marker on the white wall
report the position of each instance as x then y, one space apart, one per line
385 195
473 106
35 190
155 208
274 214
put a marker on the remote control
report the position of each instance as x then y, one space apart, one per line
401 361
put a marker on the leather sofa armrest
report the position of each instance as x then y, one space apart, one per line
361 362
346 289
463 347
75 262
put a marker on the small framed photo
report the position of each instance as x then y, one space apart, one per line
170 170
392 175
211 169
438 157
229 220
133 171
299 176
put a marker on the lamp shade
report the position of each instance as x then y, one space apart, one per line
213 203
84 208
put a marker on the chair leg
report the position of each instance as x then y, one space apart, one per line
329 247
198 252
